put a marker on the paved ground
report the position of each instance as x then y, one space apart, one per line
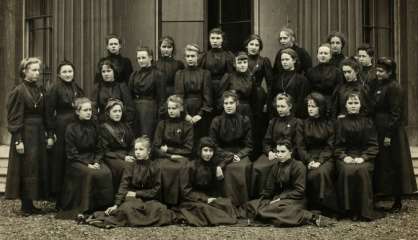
394 226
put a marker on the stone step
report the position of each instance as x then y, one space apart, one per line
3 172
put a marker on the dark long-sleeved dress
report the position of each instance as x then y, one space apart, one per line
287 127
148 87
27 174
202 184
218 61
260 69
318 145
232 133
177 134
325 79
369 78
305 60
115 143
356 137
341 93
122 65
286 182
337 59
118 90
294 84
244 87
85 189
169 66
144 178
394 173
60 113
194 85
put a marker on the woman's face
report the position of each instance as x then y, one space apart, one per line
115 113
283 153
166 49
85 111
141 151
382 74
113 46
282 108
66 73
313 109
206 153
191 58
288 62
353 105
241 65
364 58
173 109
349 73
285 39
230 105
253 47
216 40
336 45
32 72
108 74
144 60
324 54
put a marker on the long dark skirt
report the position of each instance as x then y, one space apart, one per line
237 181
260 171
135 213
57 159
284 213
394 173
86 190
146 117
199 214
355 190
116 163
27 174
173 179
260 121
201 128
320 188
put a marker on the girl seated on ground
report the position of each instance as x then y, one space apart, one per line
203 205
282 201
137 201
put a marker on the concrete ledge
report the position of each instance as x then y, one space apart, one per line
4 151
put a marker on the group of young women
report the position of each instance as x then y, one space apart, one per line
214 139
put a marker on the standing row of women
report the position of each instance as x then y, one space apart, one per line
205 85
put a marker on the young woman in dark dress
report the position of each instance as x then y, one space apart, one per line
109 87
203 205
60 113
88 184
287 39
260 70
27 172
317 153
193 84
282 202
355 151
232 133
123 65
394 173
365 54
173 143
116 140
167 63
291 82
283 126
137 200
352 83
148 87
337 42
241 83
325 78
218 61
